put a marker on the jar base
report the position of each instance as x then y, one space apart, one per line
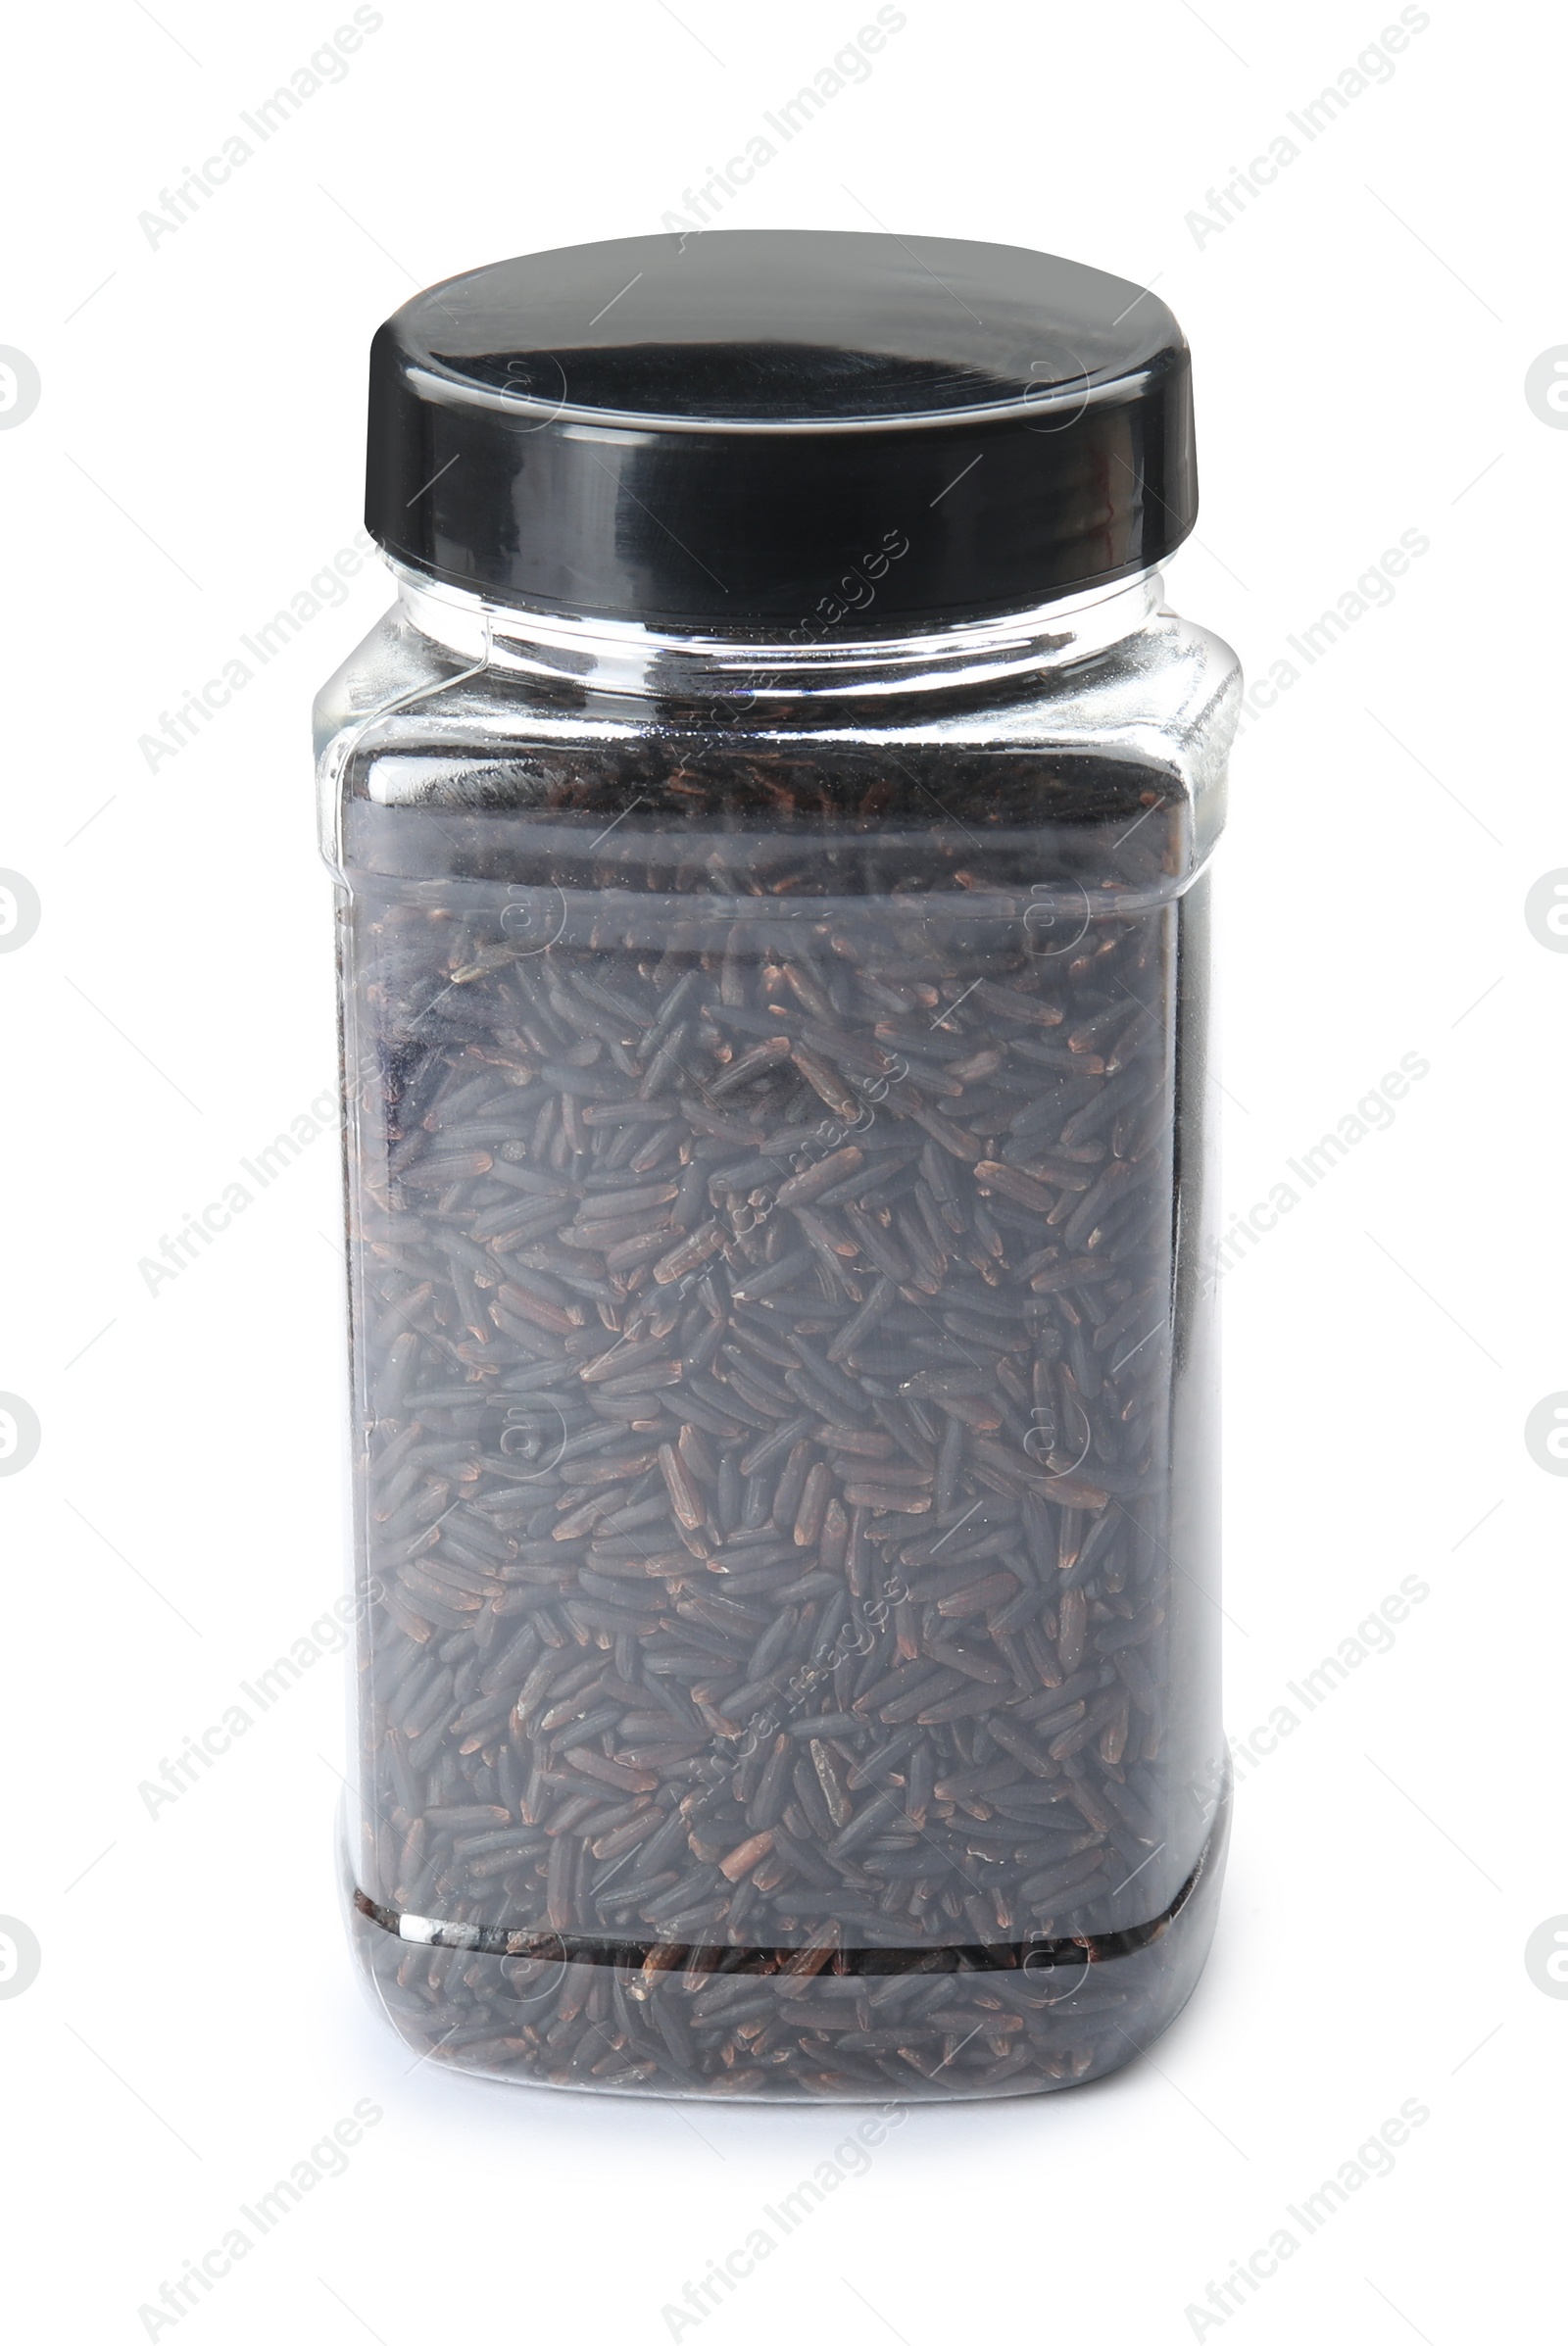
870 2024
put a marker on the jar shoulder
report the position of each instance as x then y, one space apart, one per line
412 722
1171 687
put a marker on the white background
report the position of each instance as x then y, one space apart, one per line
1361 333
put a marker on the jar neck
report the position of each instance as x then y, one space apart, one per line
623 658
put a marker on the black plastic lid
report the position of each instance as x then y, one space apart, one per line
756 429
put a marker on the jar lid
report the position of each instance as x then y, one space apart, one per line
775 431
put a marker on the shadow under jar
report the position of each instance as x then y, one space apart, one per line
771 832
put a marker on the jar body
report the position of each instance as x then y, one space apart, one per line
777 1146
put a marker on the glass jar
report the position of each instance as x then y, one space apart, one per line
771 832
